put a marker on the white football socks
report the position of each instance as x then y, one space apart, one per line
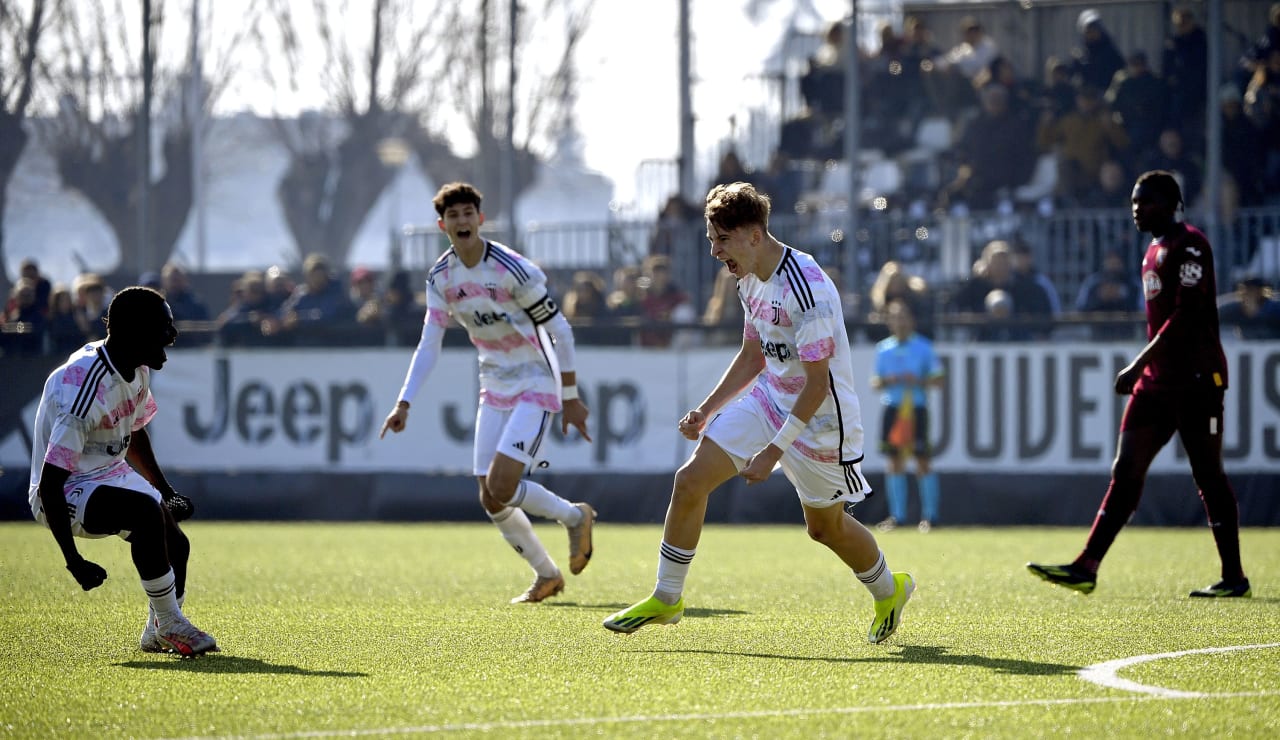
673 566
878 580
163 595
537 500
518 532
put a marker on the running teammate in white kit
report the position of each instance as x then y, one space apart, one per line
526 357
800 411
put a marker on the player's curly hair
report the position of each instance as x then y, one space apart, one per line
1164 184
737 204
132 306
455 193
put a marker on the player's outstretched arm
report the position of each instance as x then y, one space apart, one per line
744 369
396 420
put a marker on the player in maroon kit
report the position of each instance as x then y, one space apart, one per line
1177 383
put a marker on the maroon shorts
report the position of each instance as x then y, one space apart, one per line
1195 415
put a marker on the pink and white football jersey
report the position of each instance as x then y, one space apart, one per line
796 317
86 417
500 302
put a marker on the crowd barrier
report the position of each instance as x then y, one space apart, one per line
1022 434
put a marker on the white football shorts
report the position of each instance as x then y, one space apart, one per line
519 433
741 431
78 495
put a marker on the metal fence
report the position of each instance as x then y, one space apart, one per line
1068 245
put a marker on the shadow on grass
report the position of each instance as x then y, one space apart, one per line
692 611
918 655
219 663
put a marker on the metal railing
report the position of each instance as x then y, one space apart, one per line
1068 245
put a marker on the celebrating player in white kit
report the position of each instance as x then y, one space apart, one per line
93 472
526 356
801 412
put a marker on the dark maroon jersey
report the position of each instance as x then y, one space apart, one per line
1181 290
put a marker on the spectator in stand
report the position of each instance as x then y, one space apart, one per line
995 154
1172 156
917 57
363 293
1111 290
996 291
241 323
1025 268
975 51
884 101
1112 189
64 332
1186 71
23 309
961 65
894 283
1096 61
1059 95
176 286
1083 139
1252 312
319 308
784 183
402 314
822 85
92 299
1141 100
678 227
1002 74
724 310
624 298
1242 148
30 270
1255 57
280 286
585 305
1262 105
661 302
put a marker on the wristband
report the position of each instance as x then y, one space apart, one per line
569 392
791 429
402 404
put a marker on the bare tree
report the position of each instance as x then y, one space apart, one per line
96 76
19 38
429 83
478 85
335 174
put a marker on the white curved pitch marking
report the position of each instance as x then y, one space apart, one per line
1104 674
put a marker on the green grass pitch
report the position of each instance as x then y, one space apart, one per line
333 630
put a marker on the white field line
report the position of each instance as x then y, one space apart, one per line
1104 674
764 714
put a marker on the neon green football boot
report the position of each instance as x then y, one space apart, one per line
889 611
649 611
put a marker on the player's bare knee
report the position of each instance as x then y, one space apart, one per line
818 531
689 485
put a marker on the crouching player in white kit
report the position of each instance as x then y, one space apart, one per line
93 472
501 299
801 412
